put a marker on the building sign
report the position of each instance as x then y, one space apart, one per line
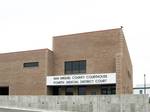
82 79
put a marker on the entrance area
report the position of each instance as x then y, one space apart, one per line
82 90
4 90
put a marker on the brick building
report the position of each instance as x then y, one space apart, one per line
80 64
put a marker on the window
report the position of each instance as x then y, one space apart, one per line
82 90
68 67
74 67
83 67
141 91
93 93
108 89
4 90
69 90
31 64
55 90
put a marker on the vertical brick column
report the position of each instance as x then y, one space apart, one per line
118 74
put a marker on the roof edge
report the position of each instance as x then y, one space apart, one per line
46 49
119 28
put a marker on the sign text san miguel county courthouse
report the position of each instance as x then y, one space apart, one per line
82 79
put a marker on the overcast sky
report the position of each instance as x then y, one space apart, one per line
30 24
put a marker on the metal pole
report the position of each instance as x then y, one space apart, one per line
144 84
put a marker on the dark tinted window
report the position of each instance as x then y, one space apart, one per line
83 67
108 89
82 90
4 90
141 91
93 93
69 90
73 67
31 64
68 67
55 90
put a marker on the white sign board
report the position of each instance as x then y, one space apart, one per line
82 79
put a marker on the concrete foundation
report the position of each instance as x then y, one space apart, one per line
87 103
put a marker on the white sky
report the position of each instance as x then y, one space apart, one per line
30 24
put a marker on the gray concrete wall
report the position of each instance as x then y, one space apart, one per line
88 103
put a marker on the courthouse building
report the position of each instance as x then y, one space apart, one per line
90 63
